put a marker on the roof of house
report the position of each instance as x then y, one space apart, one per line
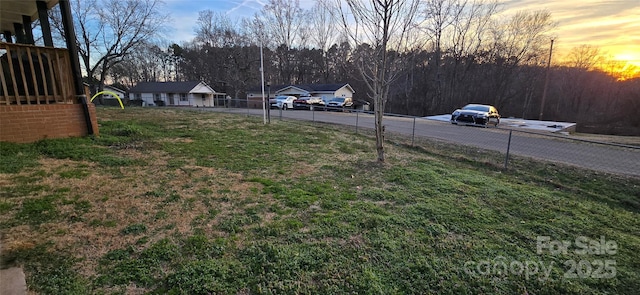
320 87
307 87
164 87
115 88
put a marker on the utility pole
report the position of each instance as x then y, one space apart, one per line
546 82
264 110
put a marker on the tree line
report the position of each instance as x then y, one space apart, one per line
444 54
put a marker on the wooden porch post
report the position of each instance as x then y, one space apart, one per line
28 31
17 27
44 23
70 38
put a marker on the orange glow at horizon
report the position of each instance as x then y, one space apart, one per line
610 26
630 66
622 69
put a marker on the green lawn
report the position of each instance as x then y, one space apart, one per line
170 201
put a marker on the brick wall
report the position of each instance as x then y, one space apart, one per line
29 123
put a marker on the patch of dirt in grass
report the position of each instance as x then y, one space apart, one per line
12 242
4 180
165 202
240 186
304 169
267 218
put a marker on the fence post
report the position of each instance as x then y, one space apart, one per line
313 114
413 132
506 158
357 117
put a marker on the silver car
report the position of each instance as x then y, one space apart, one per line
476 114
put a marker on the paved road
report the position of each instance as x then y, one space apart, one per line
600 157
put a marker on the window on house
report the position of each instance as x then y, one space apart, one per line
139 96
156 96
204 97
183 97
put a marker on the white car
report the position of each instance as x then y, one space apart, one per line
283 102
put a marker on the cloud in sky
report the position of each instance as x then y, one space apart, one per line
612 25
246 8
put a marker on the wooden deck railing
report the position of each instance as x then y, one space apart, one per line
34 75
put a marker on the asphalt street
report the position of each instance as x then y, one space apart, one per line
599 157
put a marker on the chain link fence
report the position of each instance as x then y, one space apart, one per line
508 142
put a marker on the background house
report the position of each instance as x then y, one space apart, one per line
120 92
324 91
107 98
190 93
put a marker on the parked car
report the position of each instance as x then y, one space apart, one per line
340 103
282 102
307 102
476 114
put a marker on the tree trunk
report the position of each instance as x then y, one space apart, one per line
379 113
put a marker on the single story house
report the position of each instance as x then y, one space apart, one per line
119 92
324 91
107 96
189 93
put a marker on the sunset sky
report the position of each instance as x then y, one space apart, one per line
611 25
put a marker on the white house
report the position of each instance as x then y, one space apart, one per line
115 90
191 93
324 91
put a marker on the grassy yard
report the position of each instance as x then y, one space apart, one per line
170 201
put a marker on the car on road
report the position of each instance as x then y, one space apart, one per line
340 103
308 103
477 115
282 102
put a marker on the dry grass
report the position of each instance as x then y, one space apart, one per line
313 197
123 200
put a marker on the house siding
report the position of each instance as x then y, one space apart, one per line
344 92
193 96
147 99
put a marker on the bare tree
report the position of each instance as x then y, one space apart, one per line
217 29
283 19
321 25
584 57
439 15
522 38
88 28
255 31
320 29
105 38
519 41
455 30
380 31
